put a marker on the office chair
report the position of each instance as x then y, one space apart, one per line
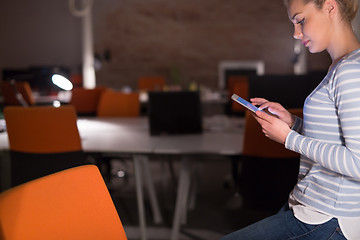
42 140
240 86
118 104
268 170
17 93
254 139
155 83
85 100
73 204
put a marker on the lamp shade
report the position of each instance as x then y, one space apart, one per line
62 82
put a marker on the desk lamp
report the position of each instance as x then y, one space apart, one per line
62 82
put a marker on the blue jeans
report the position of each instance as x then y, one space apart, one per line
284 225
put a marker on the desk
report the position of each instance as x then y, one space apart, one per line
131 135
222 136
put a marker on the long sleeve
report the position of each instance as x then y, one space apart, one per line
332 134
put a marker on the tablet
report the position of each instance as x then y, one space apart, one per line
245 103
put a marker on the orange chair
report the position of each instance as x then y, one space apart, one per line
42 140
85 100
155 83
118 104
73 204
240 86
254 140
17 93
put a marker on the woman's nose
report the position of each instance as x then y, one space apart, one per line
298 32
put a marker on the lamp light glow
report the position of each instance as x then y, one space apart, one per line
62 82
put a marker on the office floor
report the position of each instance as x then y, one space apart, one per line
216 211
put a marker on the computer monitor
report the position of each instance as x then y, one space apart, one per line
39 77
175 113
238 68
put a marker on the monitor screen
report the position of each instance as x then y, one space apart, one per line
175 112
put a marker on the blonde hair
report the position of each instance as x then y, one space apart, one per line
348 8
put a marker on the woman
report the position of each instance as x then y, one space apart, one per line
325 203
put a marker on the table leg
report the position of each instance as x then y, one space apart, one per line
194 185
139 195
181 198
151 190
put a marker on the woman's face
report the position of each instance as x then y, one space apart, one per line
311 25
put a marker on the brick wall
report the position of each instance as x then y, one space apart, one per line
155 36
152 37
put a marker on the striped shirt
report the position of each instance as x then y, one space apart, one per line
328 139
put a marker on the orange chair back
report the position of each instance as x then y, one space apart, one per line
240 86
42 129
10 90
85 100
73 204
257 145
118 104
151 83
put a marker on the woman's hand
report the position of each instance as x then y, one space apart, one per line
273 127
276 109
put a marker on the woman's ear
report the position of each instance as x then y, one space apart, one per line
330 6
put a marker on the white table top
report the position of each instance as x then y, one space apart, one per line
131 135
124 135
